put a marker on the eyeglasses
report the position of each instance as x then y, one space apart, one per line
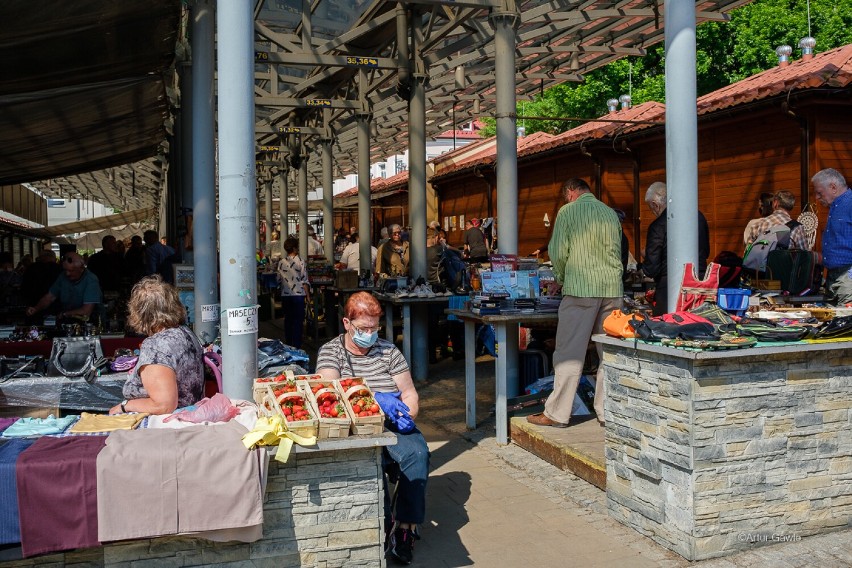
375 328
396 233
68 259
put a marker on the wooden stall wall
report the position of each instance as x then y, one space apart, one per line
831 147
617 190
465 195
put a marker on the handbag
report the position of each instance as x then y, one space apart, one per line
76 357
617 324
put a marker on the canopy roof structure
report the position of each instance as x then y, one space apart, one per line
87 89
84 97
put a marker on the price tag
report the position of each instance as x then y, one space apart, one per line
242 320
209 312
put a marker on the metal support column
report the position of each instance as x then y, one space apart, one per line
505 20
204 172
185 202
283 180
327 195
364 235
237 196
303 205
417 203
681 142
267 212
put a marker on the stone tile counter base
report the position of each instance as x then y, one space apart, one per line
323 509
715 452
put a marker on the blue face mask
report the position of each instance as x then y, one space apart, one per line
363 339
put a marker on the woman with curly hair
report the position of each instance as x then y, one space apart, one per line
170 371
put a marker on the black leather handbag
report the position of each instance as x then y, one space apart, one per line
75 357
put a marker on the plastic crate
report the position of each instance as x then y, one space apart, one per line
734 300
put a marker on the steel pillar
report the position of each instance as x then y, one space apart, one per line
204 172
237 196
283 179
364 235
327 204
681 142
303 206
267 211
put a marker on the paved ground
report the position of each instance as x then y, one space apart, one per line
500 506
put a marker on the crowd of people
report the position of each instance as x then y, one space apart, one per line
74 286
586 246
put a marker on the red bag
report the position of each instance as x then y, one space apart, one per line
681 318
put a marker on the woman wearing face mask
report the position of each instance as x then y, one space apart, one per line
359 352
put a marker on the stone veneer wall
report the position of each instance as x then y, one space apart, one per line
323 509
712 453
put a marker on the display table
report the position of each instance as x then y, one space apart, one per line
713 452
324 507
506 364
43 347
390 301
61 392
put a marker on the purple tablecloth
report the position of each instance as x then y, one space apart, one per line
57 494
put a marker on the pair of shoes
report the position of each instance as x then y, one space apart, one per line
542 420
401 545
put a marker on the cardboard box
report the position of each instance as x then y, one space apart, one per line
516 283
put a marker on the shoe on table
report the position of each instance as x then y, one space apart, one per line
401 545
542 420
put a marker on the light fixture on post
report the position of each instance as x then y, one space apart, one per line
574 62
476 108
460 77
374 129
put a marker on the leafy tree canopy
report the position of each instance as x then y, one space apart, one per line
726 52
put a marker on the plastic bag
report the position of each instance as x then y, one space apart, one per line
215 409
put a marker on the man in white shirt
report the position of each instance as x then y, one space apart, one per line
314 246
351 257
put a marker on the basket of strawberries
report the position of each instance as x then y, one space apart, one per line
296 408
285 379
334 419
367 416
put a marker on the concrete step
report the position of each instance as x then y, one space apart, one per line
578 448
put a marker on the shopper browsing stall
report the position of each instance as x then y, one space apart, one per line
359 352
295 292
170 371
831 190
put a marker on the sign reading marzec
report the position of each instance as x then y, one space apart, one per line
242 320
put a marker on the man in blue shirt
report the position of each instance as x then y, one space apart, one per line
831 190
77 290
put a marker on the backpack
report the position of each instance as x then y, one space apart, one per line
777 237
452 269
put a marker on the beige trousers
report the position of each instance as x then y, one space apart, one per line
579 319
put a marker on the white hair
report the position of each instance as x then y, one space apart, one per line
656 193
829 175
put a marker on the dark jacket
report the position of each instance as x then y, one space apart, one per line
656 249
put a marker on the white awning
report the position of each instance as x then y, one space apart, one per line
98 223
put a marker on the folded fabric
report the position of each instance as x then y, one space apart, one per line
89 422
6 422
26 427
10 527
57 494
159 482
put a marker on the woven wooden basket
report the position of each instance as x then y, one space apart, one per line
363 425
307 427
260 384
332 427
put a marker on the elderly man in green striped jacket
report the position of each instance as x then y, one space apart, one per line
586 252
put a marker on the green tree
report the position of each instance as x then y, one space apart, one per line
726 52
